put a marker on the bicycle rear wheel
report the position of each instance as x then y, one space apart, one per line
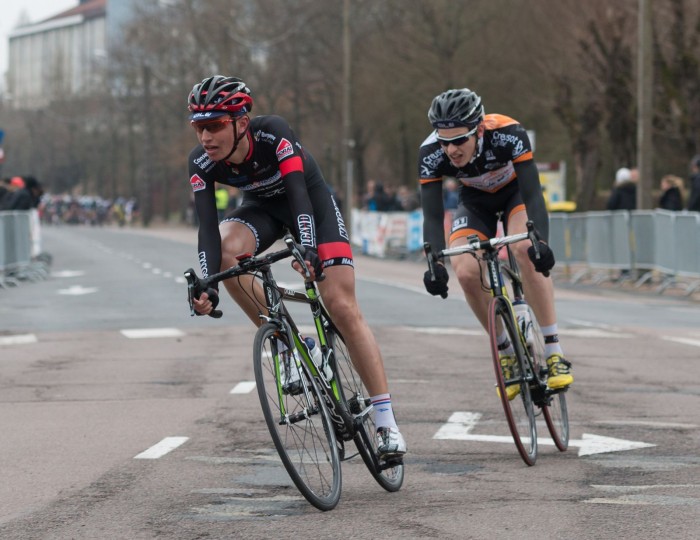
519 410
300 425
356 400
554 406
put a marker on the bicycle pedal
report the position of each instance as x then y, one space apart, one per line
390 463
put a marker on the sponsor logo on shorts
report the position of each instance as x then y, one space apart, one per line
460 223
197 183
306 230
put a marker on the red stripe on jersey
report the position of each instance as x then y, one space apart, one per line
334 250
290 165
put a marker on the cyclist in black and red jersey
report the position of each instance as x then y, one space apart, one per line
282 188
492 157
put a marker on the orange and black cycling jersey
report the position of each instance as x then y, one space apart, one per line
504 143
503 156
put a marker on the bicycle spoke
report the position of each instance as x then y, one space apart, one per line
553 405
519 409
356 399
299 426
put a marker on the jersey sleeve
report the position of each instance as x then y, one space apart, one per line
208 236
430 159
531 193
290 158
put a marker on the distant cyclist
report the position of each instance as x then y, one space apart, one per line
282 188
491 156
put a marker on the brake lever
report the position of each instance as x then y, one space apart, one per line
430 256
195 287
535 239
192 289
298 254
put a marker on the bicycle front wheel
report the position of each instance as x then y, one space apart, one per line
513 380
554 408
356 400
300 425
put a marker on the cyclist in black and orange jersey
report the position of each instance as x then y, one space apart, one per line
492 157
283 188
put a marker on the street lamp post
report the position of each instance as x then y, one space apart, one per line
348 143
645 80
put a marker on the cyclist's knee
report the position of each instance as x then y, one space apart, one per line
468 274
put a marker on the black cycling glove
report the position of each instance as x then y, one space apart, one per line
311 255
213 295
439 285
546 261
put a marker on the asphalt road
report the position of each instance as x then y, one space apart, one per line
101 362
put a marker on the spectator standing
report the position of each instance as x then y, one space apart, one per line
407 199
27 197
380 200
624 192
221 194
694 184
450 193
671 193
4 190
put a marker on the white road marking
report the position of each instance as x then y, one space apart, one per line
657 425
572 332
139 333
419 290
299 287
445 330
460 425
630 495
632 489
163 447
245 387
67 273
21 339
593 333
77 290
684 341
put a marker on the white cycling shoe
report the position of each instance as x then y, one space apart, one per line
390 443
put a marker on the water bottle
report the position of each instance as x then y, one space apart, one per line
522 313
317 357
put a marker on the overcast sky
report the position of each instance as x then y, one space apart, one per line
35 10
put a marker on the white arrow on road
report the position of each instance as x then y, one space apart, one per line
67 273
77 290
460 425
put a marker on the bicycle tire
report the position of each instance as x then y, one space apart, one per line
519 411
307 446
355 398
553 405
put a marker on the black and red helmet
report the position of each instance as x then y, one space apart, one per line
217 96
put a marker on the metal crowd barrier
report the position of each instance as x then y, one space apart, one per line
20 248
639 244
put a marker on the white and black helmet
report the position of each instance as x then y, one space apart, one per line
456 108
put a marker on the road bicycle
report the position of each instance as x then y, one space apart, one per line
311 420
529 372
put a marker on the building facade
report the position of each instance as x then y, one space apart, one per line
66 54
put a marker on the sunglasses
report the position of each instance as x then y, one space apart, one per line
212 126
459 140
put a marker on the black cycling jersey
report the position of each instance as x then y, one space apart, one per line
279 178
503 159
